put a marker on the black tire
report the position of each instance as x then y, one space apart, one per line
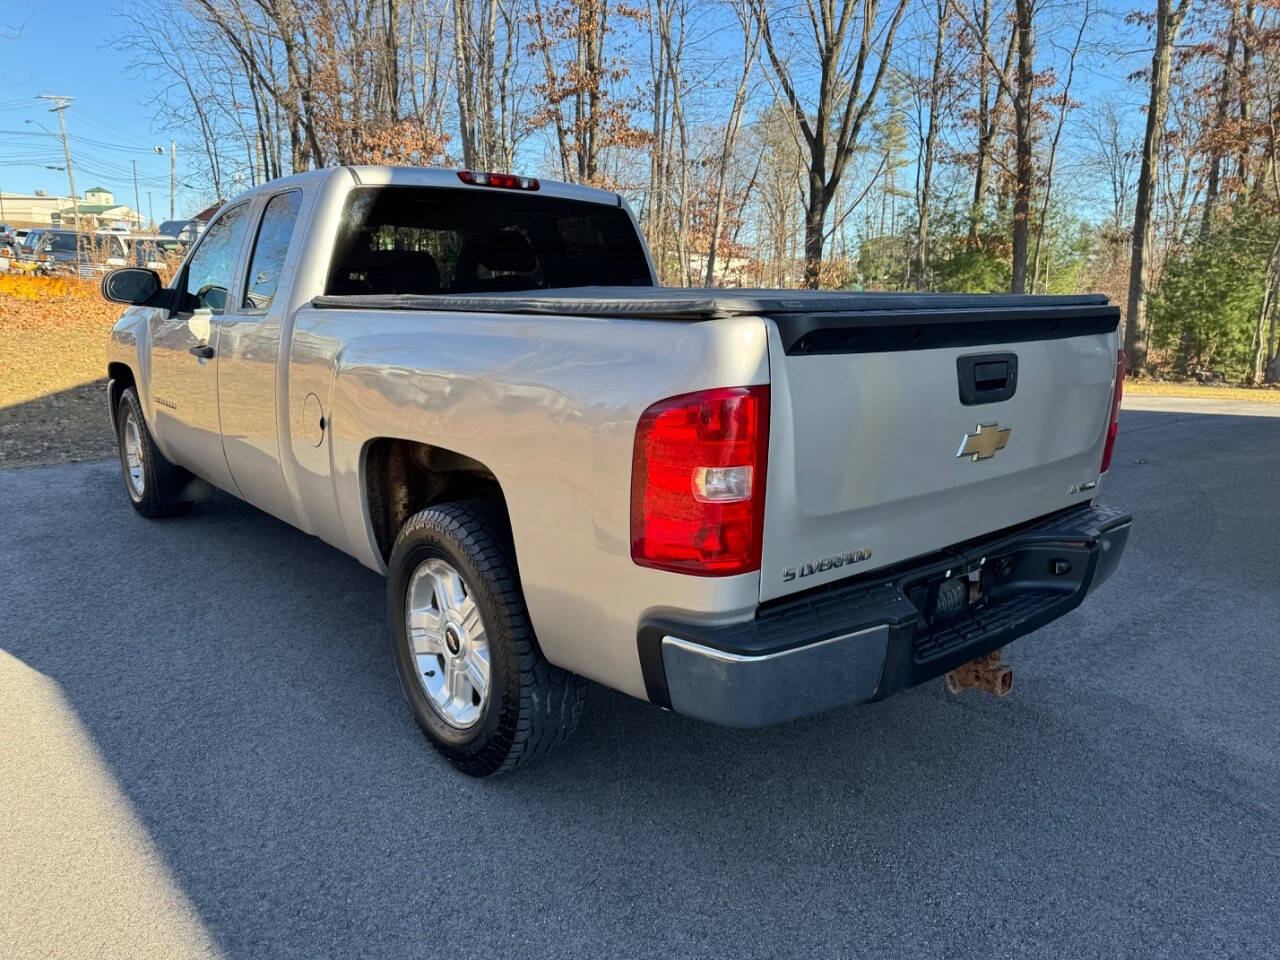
532 706
162 482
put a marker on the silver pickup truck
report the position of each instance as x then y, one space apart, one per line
746 506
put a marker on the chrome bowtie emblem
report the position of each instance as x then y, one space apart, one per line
985 440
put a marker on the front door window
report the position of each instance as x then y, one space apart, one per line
211 266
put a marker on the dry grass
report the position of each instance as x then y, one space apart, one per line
53 339
1163 388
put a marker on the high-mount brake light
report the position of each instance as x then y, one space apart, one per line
1113 427
507 181
698 480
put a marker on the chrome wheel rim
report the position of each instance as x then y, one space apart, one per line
133 474
448 645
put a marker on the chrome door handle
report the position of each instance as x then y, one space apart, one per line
203 351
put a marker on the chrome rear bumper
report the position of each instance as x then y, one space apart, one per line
874 635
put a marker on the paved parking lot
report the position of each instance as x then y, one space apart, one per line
203 751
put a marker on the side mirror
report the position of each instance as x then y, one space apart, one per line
132 285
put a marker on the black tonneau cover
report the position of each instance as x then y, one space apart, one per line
810 321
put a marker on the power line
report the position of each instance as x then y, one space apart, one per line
91 141
108 125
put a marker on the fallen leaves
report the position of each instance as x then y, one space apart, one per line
53 340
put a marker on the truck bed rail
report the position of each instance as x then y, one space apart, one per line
810 321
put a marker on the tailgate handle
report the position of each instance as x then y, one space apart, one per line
987 377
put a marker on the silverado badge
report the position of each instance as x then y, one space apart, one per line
985 440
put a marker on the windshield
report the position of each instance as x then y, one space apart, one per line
426 240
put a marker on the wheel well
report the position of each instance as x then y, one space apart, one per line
119 376
403 476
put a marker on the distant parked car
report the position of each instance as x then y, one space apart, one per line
65 251
153 251
111 249
29 241
188 231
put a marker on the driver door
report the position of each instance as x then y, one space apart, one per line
184 357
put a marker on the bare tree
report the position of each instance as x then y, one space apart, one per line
1216 132
1064 105
831 130
929 140
988 113
750 43
1114 156
1019 86
578 92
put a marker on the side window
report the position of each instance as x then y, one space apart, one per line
211 266
269 249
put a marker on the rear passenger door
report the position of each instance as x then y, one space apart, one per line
248 356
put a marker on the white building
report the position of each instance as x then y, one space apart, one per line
97 209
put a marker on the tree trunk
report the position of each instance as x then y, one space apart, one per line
1272 373
1246 99
988 120
465 81
930 141
815 216
749 39
1168 23
1053 155
1220 119
1266 313
1022 124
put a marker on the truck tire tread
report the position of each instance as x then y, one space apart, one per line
163 480
548 701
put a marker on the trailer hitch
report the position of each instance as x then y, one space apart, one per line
986 673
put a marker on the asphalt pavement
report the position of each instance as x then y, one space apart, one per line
204 752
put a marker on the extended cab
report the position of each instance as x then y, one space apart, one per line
743 505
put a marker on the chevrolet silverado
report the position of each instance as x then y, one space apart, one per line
746 506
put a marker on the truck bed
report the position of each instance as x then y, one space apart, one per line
869 408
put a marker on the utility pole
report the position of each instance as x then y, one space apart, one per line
151 209
137 203
60 104
173 172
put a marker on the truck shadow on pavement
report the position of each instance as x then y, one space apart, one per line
235 676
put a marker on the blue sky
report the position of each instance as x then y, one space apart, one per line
62 47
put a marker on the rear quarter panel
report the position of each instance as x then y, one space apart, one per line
550 406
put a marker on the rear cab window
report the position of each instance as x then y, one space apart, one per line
440 240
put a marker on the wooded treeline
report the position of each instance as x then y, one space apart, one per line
978 145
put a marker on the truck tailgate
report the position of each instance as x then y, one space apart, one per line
868 426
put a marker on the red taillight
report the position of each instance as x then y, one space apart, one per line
697 482
1114 427
507 181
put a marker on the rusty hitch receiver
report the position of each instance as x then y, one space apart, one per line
986 673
